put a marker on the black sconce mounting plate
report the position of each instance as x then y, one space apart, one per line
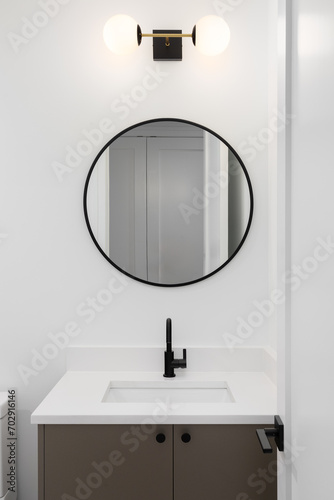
173 52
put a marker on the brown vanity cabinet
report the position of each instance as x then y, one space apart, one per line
150 462
222 462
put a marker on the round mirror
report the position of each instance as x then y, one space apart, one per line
168 202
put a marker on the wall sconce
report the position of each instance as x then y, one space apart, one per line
123 35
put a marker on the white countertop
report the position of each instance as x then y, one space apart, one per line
77 399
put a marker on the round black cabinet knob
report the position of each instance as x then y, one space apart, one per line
186 437
161 438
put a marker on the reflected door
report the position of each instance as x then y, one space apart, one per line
126 205
156 208
175 180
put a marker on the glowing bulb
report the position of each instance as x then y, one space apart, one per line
120 34
212 35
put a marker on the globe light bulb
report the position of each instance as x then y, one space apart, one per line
212 35
120 34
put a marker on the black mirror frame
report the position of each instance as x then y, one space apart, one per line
248 183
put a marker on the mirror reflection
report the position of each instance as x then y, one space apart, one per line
168 202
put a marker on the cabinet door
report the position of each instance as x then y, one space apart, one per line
102 462
222 462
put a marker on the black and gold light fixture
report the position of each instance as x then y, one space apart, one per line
122 35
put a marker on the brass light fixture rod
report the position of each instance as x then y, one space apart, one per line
167 35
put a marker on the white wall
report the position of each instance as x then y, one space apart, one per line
63 81
312 210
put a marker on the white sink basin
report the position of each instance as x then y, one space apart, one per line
175 391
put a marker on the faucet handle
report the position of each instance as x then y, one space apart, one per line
184 359
180 363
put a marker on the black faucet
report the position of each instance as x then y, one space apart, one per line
170 362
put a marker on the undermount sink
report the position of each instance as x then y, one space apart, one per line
175 391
